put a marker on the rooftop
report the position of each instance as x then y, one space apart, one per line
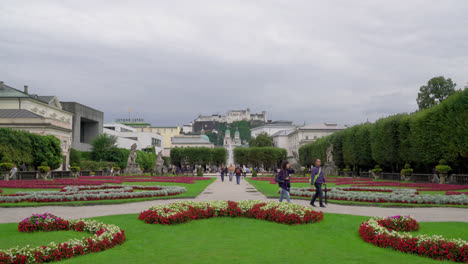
322 126
17 113
190 140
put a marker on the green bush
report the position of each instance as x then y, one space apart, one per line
407 171
200 173
443 169
377 169
6 166
254 173
44 164
44 169
347 169
75 168
442 162
75 157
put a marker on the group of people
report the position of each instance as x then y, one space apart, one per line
317 180
231 170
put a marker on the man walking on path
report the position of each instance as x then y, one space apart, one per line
238 174
317 180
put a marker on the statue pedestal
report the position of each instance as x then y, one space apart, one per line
329 169
133 169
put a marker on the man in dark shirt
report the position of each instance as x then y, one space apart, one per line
317 180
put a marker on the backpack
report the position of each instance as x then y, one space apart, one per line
238 171
278 178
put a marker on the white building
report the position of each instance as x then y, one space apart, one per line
42 115
187 129
271 128
127 136
195 141
233 116
292 140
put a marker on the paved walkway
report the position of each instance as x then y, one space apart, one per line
230 191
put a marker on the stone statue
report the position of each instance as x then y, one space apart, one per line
329 168
132 157
159 164
330 154
132 166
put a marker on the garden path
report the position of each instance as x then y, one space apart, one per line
230 191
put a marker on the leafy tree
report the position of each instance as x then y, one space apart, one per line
436 90
262 140
101 145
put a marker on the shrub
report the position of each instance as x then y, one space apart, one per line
254 173
44 169
443 169
6 166
442 162
44 164
407 170
75 169
347 169
377 169
200 173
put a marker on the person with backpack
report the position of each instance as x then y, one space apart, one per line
222 171
238 174
283 180
317 180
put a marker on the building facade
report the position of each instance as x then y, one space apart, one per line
127 136
209 123
272 127
42 115
87 124
196 141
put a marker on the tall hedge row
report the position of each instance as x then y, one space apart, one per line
269 157
198 156
420 139
22 146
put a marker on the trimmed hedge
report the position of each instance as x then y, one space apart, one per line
420 139
198 156
22 146
269 157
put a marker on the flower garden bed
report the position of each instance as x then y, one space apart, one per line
92 193
185 211
386 232
408 196
104 236
94 180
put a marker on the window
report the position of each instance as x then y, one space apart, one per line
307 137
156 142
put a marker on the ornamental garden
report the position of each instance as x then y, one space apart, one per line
176 227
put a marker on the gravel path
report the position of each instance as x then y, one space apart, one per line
230 191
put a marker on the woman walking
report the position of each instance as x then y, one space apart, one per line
317 180
231 172
284 182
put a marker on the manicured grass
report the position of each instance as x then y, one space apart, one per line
241 240
15 190
193 190
11 237
271 191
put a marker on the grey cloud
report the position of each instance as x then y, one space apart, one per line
314 61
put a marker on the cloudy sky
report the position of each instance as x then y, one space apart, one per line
168 61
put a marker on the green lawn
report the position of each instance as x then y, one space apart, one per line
193 190
271 191
239 240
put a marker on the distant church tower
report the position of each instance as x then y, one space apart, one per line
237 140
227 137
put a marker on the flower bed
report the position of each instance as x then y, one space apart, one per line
104 236
408 196
94 180
417 186
184 211
93 193
385 232
455 193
